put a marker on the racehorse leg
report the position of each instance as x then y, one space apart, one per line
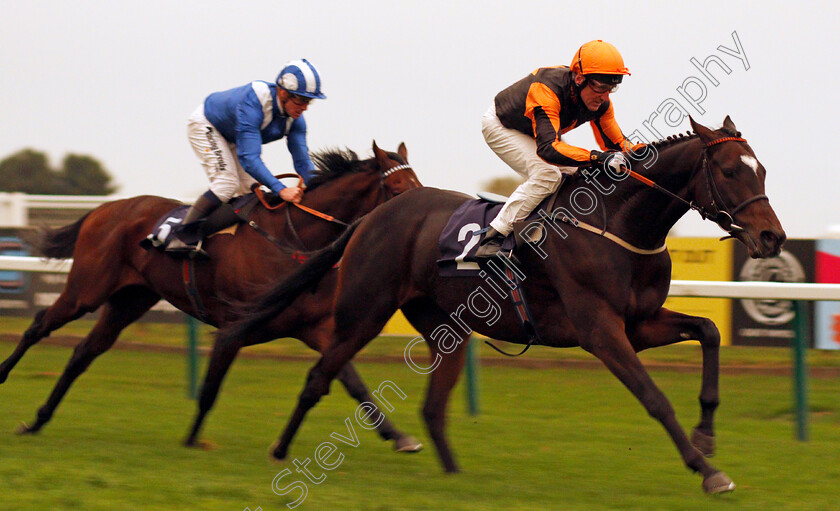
63 311
122 309
359 391
425 316
224 352
356 332
668 327
608 341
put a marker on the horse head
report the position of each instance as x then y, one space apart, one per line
730 188
397 174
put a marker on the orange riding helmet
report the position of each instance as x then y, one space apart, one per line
600 58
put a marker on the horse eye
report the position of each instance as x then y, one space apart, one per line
727 171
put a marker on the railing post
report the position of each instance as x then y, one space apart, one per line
800 370
472 376
193 326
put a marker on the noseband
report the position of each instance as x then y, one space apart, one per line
721 214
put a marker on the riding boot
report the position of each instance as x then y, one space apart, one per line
204 205
490 245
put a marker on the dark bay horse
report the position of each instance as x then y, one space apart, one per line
112 272
602 291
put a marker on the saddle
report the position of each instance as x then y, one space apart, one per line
225 216
459 240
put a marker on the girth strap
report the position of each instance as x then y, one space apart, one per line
520 305
192 291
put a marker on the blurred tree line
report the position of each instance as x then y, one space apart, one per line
29 171
503 185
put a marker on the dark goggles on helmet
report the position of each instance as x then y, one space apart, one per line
602 83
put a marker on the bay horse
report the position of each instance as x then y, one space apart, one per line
112 272
602 290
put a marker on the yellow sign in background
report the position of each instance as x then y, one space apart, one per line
703 259
691 259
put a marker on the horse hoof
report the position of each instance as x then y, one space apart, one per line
407 444
277 454
202 445
703 443
25 429
718 483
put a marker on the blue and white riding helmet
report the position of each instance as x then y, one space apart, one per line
301 78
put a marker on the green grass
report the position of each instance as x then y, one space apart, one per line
546 439
685 353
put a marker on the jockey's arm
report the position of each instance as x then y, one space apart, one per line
609 136
249 144
296 142
543 108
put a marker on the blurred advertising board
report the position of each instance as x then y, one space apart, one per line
15 287
770 322
702 259
827 314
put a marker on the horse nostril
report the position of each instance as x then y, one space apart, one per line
772 240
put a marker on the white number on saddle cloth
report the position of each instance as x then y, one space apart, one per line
165 230
468 229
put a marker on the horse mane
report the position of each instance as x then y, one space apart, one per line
684 137
672 139
331 164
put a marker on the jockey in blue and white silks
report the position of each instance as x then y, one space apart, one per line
228 129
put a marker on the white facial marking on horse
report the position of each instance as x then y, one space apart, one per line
750 162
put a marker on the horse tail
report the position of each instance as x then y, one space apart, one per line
271 303
59 243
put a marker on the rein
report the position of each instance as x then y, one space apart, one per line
261 196
724 218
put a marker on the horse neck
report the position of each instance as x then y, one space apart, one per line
344 198
347 197
644 216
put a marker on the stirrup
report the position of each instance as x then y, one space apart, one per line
177 246
489 249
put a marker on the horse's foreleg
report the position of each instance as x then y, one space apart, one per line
121 310
317 386
669 327
357 389
608 342
224 353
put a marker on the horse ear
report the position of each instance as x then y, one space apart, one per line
380 155
706 135
729 126
403 151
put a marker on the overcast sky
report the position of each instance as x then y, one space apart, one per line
117 80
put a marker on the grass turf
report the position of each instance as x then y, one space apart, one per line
546 439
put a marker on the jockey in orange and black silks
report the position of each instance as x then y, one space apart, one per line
546 104
526 121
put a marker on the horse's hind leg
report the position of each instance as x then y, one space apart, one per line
63 311
122 309
669 327
357 389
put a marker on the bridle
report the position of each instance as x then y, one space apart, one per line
384 175
718 212
722 215
261 195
